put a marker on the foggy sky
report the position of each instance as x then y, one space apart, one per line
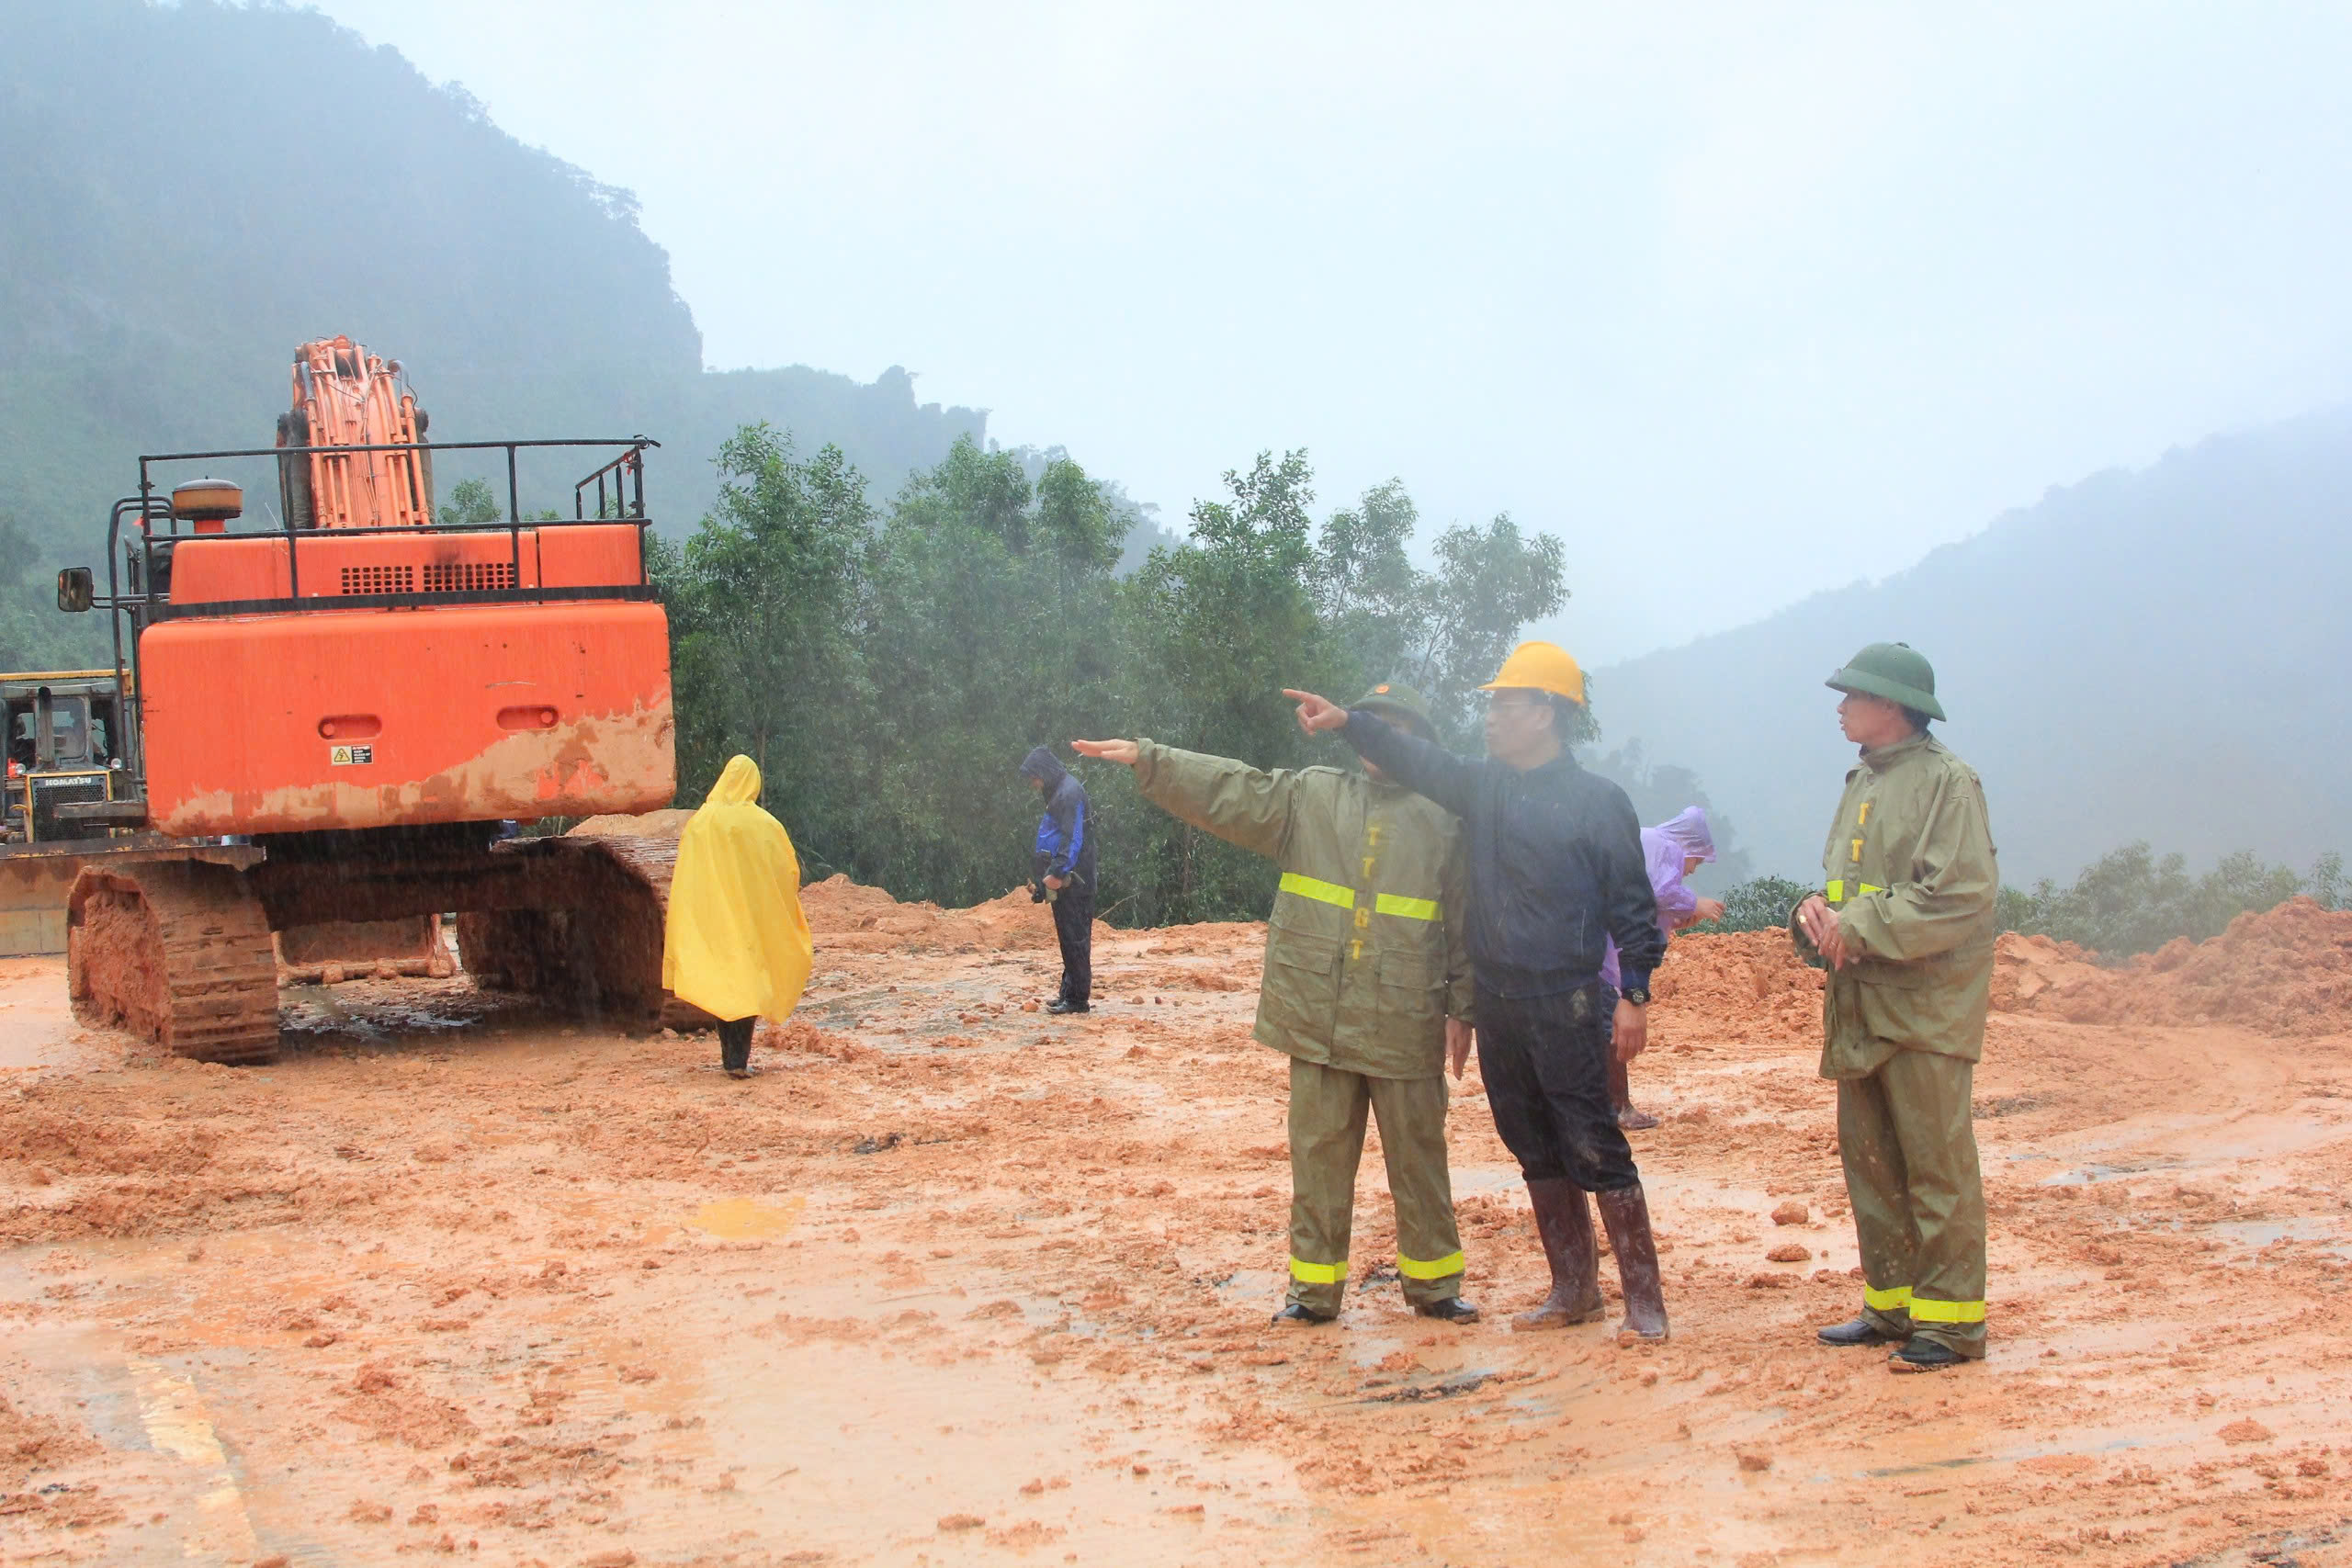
1742 302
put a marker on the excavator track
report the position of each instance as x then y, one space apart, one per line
590 940
176 952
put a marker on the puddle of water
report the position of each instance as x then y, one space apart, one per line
2084 1176
178 1424
2262 1232
737 1219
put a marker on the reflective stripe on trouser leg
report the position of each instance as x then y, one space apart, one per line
1411 1112
1327 1109
1877 1188
1928 1097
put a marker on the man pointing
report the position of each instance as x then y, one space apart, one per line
1555 869
1366 981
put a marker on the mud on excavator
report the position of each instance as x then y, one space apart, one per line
339 718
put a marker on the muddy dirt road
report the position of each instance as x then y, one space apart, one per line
955 1283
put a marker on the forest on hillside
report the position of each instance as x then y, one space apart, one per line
179 217
2147 656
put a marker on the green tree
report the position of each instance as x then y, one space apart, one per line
989 626
763 600
1759 904
1491 583
1219 626
471 503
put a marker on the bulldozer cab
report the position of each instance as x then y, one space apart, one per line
63 731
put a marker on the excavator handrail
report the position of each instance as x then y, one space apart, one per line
638 441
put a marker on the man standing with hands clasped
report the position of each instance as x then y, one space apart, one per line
1905 924
1367 983
1555 870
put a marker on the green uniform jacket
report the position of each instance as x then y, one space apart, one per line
1366 957
1909 869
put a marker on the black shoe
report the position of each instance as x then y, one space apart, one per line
1293 1313
1920 1355
1454 1308
1858 1331
1060 1005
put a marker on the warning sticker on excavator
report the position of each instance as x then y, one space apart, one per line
351 756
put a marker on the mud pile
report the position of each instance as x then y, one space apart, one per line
2287 972
848 917
1743 985
2031 974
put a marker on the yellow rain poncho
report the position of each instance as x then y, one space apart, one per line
736 946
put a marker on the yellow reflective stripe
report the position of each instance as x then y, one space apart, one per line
1414 1268
1406 909
1321 891
1835 889
1307 1273
1895 1300
1925 1310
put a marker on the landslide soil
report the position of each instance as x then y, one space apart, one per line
953 1281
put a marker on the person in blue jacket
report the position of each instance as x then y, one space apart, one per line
1062 874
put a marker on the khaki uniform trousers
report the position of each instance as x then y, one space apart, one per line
1906 1136
1327 1107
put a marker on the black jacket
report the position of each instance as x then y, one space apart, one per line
1065 845
1556 863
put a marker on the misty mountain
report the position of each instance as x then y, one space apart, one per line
192 190
2156 655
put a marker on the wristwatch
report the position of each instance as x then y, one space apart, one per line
1638 995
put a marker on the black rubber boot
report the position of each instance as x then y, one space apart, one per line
1062 1004
1564 1224
1858 1330
1626 1213
1453 1309
1924 1355
1293 1314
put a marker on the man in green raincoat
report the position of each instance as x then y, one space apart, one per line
1366 989
1905 923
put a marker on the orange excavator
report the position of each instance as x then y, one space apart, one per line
341 716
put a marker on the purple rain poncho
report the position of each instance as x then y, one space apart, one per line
1666 847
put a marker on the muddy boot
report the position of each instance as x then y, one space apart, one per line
1565 1223
1621 1099
1626 1212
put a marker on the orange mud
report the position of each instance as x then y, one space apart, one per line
953 1281
2287 972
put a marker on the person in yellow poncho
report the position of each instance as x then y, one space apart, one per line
736 946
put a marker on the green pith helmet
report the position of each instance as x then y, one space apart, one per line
1891 670
1400 704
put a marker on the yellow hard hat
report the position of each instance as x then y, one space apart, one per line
1542 667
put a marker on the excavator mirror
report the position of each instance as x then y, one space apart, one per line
76 591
